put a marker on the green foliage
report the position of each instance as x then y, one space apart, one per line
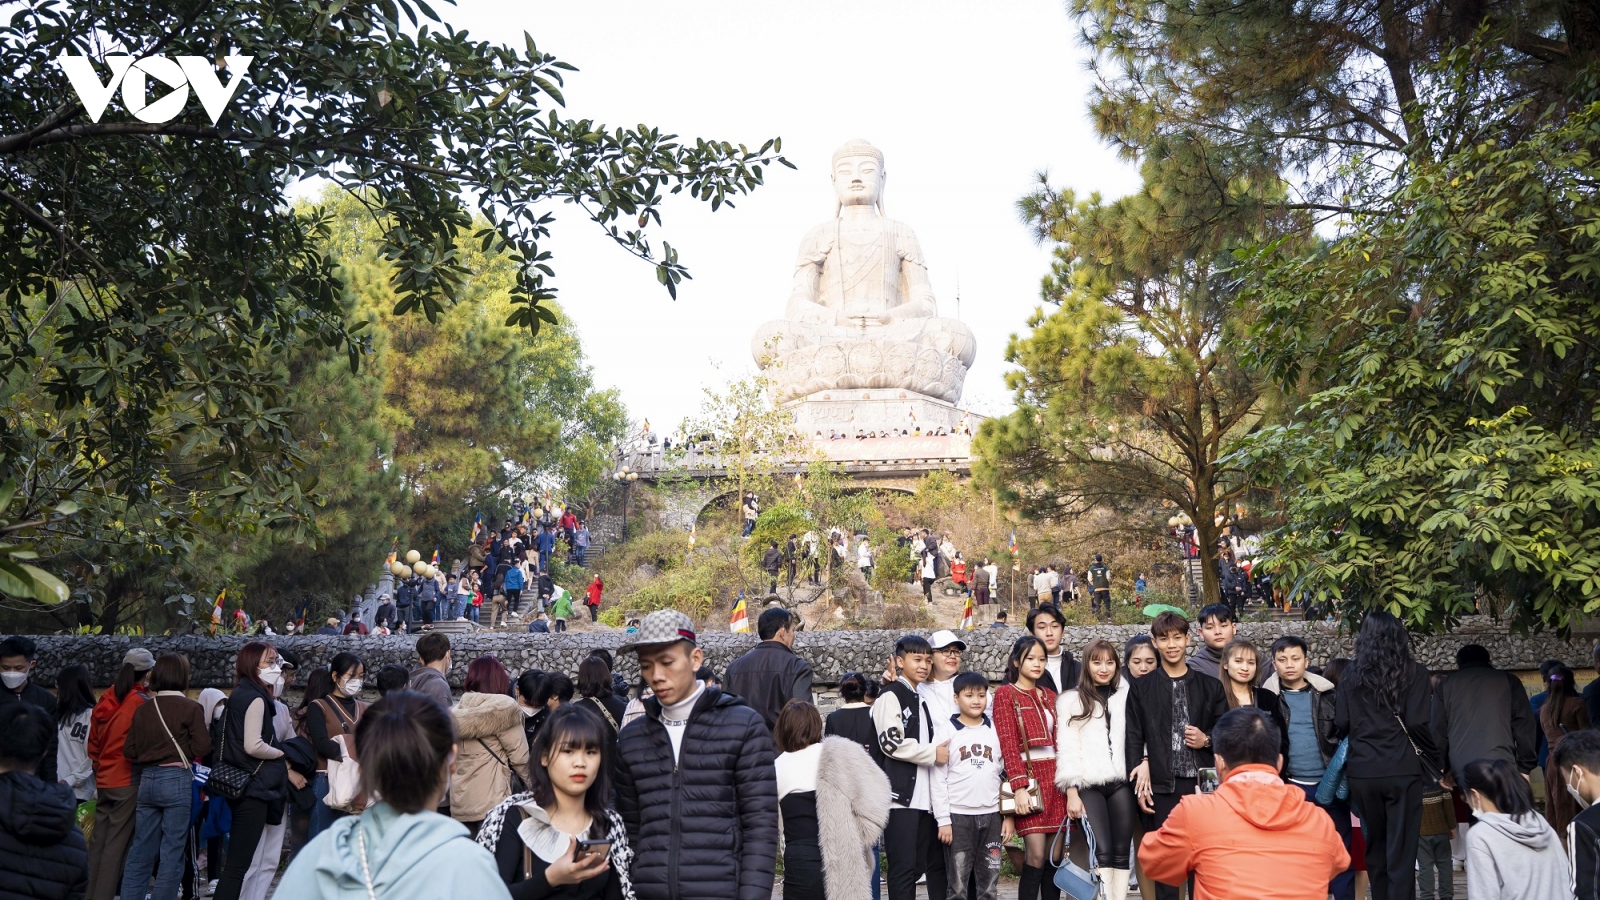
1130 389
1454 445
1249 92
774 525
157 282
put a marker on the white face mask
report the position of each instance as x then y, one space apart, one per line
272 676
353 687
14 680
1582 803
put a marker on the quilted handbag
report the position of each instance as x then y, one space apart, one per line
1073 881
227 780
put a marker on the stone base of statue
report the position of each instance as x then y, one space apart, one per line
868 364
866 426
875 411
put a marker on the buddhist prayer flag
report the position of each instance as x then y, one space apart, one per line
739 623
1013 542
216 610
477 527
394 551
967 615
435 562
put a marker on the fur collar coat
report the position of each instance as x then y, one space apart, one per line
852 810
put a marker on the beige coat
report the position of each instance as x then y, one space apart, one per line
480 781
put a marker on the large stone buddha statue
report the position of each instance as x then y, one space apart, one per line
861 313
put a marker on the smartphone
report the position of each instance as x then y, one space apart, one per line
1207 780
589 848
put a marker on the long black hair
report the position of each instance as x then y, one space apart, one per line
1019 652
573 727
1563 686
74 694
1382 663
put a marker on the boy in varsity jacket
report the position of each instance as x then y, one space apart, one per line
966 793
905 735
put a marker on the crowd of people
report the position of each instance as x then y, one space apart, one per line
1241 771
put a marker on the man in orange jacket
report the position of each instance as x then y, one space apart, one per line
1253 824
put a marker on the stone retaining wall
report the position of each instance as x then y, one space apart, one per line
831 653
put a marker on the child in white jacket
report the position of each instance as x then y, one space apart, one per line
1091 768
966 793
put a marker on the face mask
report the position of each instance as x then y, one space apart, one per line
1582 803
14 680
272 675
353 687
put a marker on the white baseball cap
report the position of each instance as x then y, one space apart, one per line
944 638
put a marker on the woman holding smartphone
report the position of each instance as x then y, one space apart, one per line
559 840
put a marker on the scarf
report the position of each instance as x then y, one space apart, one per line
541 831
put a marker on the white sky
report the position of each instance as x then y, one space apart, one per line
966 99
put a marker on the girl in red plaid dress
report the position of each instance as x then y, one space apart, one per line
1024 721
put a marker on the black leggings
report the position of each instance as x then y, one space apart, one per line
1112 814
249 820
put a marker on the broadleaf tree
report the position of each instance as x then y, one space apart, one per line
153 272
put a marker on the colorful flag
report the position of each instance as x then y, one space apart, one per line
739 622
216 610
1013 542
394 551
646 426
911 413
967 615
435 562
477 526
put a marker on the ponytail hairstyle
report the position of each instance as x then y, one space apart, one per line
127 677
1088 691
1563 687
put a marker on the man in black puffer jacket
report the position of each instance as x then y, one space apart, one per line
695 783
42 852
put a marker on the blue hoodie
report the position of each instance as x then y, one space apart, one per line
411 856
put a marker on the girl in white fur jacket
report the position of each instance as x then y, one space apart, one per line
1090 765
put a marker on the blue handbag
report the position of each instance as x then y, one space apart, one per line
1335 784
1073 881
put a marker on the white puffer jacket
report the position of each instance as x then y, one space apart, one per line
1090 751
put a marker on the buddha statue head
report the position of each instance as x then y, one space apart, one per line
858 175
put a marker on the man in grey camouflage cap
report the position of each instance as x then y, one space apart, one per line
696 756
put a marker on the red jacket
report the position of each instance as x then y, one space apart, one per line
595 588
1024 721
1253 824
108 731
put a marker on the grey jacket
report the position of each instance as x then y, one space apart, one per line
1512 859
